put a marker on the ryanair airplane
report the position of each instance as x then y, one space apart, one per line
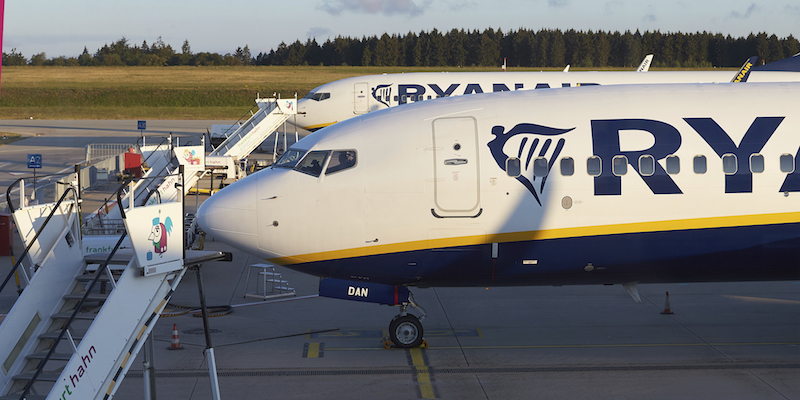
617 184
346 98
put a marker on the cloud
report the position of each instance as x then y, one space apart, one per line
557 3
790 9
613 6
318 32
385 7
461 5
650 18
746 15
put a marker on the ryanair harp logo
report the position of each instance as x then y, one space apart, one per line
383 94
527 152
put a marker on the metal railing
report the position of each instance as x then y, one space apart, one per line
75 312
38 231
96 151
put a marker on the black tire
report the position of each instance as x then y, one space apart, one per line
406 331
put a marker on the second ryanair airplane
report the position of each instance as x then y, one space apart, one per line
618 184
346 98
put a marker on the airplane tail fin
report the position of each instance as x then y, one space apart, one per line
645 65
791 64
744 72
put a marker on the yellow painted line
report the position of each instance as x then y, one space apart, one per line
765 300
422 375
574 346
562 233
313 350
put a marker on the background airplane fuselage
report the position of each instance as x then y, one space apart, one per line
346 98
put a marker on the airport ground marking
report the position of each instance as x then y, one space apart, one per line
422 375
314 350
577 346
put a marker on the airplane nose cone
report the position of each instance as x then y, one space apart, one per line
230 215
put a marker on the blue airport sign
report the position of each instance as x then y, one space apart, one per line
34 161
142 125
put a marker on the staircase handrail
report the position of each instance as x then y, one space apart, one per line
75 312
38 232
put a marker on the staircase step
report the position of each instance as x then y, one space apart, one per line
67 315
47 376
54 335
90 277
55 356
27 397
92 296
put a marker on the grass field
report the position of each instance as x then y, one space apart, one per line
162 92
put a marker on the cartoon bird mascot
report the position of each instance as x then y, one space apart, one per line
159 235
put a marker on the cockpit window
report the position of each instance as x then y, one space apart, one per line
318 96
341 160
312 163
290 158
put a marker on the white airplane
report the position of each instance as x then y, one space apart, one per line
617 184
346 98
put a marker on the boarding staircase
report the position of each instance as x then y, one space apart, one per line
76 328
165 158
272 112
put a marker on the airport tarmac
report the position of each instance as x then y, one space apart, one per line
724 340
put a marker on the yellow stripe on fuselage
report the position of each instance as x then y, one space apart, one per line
318 126
563 233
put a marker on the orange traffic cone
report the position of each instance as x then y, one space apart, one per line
667 309
176 341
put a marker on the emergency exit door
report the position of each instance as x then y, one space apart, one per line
361 100
456 168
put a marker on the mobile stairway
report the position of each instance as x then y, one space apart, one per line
272 112
77 327
164 160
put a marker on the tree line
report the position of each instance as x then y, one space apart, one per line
458 48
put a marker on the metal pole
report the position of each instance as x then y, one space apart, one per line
183 209
150 347
284 136
149 369
78 191
209 351
146 378
275 147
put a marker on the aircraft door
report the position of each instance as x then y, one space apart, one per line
361 100
456 168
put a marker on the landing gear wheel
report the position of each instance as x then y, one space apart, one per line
406 331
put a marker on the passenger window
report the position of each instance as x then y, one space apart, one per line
593 166
312 163
289 159
673 165
540 167
729 166
787 163
647 165
319 96
567 166
341 160
620 165
756 163
700 166
513 167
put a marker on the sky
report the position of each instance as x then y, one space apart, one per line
64 28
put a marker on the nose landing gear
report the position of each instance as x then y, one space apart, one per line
405 330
